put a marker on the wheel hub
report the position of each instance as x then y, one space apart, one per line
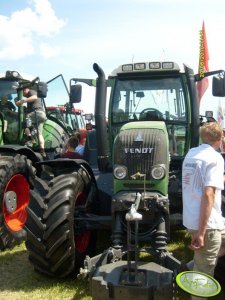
16 198
10 199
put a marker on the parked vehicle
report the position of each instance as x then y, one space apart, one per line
73 118
153 119
18 162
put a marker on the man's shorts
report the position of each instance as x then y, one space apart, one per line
205 258
38 116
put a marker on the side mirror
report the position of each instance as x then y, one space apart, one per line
209 114
140 94
89 117
42 89
218 86
75 93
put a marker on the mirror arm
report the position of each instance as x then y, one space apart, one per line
90 82
206 74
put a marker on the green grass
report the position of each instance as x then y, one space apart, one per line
18 280
178 245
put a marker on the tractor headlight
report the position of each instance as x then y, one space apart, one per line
12 74
120 172
158 171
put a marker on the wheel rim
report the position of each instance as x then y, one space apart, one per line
16 219
82 240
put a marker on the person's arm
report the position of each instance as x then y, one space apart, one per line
27 100
207 202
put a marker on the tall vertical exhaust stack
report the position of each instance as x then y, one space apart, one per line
100 120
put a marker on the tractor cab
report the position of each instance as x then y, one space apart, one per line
158 95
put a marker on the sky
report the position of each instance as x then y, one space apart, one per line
46 38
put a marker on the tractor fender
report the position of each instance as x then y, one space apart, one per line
61 163
35 157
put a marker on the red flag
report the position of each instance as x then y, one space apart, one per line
203 84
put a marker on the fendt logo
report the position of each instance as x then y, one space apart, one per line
144 150
139 137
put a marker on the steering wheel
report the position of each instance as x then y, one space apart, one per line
154 114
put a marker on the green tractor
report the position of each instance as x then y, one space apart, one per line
17 161
70 117
132 185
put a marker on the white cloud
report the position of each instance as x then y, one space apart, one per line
23 28
48 51
47 22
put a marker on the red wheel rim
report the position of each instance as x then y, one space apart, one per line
82 240
19 185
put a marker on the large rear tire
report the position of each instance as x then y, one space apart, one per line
16 177
56 242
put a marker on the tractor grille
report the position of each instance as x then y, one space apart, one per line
140 149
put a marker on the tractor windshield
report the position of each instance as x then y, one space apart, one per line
9 111
80 120
152 100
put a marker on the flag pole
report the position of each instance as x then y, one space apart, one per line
203 84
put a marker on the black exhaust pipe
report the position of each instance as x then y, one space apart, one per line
100 120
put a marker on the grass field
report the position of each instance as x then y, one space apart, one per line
18 280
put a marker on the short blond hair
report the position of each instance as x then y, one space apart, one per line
211 132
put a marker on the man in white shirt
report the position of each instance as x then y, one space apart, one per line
202 182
